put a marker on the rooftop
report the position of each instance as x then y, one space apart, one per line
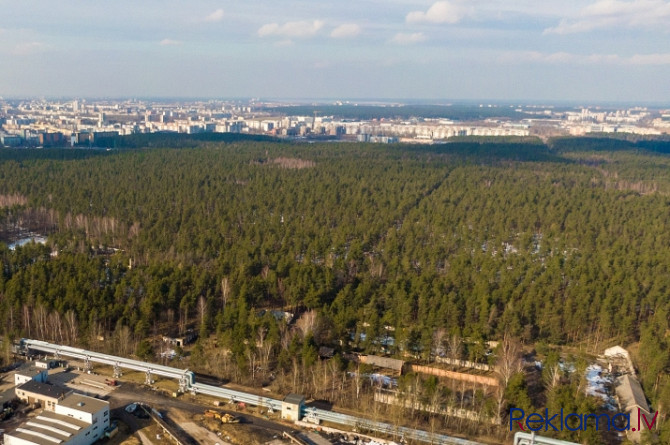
295 399
84 403
29 369
49 428
44 389
630 393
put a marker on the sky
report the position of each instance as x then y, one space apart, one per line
507 50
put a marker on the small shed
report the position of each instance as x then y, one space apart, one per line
326 352
46 364
292 406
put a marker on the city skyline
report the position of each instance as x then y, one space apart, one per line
607 50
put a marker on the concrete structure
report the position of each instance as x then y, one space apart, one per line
189 337
51 139
30 372
10 140
532 439
46 364
461 376
619 357
291 407
45 394
76 420
84 408
382 362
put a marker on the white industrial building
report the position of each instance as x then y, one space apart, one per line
30 372
291 407
76 420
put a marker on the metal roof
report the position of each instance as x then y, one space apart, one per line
48 428
295 399
630 394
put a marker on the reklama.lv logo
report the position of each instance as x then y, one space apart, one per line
576 422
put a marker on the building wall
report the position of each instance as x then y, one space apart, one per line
47 403
88 435
482 380
20 379
75 413
290 412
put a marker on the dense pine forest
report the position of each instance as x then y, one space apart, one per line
565 243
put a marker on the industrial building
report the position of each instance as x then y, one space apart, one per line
30 372
44 394
291 407
76 420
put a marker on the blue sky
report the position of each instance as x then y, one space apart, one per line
602 50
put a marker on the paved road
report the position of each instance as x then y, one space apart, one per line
128 393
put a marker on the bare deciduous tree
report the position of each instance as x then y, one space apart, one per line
509 359
307 322
123 338
27 319
225 292
72 328
41 321
455 347
202 309
439 338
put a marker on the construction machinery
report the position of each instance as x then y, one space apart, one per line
222 417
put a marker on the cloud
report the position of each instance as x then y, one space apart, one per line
650 59
403 38
215 16
440 12
27 48
612 14
284 43
169 42
291 29
562 58
346 31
